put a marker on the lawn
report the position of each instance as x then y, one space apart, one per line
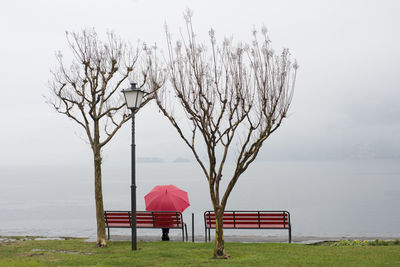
77 252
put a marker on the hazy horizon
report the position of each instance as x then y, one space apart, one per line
345 103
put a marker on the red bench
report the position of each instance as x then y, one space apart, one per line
146 219
250 220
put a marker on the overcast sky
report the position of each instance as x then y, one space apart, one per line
346 96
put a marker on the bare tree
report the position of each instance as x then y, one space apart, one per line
88 92
234 96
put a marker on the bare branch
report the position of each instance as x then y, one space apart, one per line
232 95
88 90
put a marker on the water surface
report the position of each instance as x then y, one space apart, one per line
325 198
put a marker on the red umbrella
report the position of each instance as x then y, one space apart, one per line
166 198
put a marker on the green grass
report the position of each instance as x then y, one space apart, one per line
77 252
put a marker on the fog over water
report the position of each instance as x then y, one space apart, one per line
334 163
345 103
325 198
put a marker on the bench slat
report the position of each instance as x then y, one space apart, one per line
145 219
250 220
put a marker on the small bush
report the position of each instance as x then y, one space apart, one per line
359 243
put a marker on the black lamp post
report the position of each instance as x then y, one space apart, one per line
133 98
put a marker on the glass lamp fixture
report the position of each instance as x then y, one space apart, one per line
133 96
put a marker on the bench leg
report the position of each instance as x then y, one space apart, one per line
290 234
184 231
205 234
108 230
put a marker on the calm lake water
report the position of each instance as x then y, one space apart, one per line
325 198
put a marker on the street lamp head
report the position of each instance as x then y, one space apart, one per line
133 96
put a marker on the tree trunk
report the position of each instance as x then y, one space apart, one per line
98 194
219 250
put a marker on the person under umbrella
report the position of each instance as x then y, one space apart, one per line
166 198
